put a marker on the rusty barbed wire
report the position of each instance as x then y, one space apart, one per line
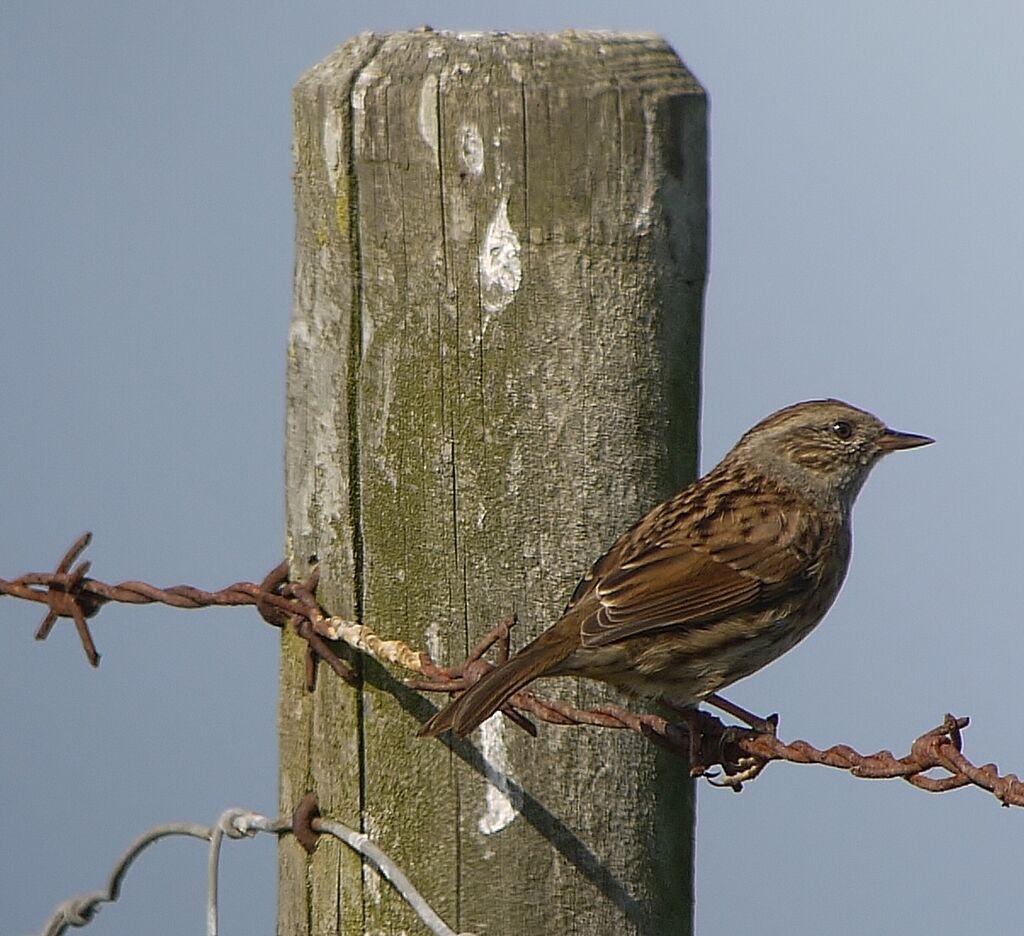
71 593
305 823
740 753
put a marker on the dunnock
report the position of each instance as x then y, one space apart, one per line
717 582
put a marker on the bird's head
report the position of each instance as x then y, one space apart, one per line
825 447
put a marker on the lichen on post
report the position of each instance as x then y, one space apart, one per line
493 370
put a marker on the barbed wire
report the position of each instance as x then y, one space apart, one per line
740 753
305 823
68 592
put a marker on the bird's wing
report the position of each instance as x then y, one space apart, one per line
725 561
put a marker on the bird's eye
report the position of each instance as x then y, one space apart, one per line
842 429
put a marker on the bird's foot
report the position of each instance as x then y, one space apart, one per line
712 744
736 774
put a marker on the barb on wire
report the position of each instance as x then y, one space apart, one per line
236 824
741 754
71 593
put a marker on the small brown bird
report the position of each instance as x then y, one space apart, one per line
717 582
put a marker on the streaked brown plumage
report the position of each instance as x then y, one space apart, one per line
716 582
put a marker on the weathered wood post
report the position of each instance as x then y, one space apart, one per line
493 370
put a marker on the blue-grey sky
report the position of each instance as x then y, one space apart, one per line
867 235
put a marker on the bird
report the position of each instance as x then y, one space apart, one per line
716 582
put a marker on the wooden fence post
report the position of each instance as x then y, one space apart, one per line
493 370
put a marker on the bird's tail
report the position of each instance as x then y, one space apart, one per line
481 700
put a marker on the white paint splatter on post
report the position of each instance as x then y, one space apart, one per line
501 800
370 75
470 147
650 174
426 117
501 271
434 640
333 143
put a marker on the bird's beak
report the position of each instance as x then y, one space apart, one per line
893 441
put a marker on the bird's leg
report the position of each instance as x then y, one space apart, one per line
767 725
